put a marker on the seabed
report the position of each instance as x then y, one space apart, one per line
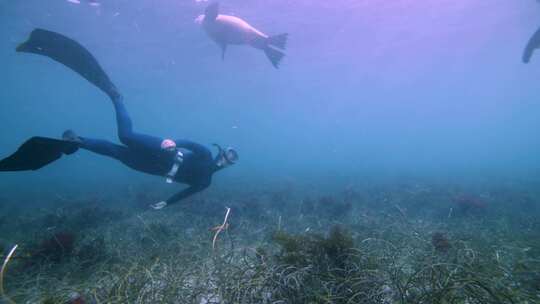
375 243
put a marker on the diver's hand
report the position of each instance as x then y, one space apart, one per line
158 206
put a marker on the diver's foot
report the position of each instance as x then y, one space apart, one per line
115 95
158 206
70 135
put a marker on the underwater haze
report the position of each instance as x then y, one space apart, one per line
414 87
371 96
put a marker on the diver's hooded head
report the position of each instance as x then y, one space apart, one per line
225 157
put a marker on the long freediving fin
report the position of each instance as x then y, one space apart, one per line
36 153
71 54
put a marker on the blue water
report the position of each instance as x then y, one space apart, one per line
413 124
368 89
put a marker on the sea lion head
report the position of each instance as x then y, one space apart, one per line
210 14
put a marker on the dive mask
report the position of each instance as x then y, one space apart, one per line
228 154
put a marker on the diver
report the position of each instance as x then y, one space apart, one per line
178 161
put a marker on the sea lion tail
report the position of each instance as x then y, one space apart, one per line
279 41
274 55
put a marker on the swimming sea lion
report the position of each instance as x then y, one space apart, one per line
225 30
533 44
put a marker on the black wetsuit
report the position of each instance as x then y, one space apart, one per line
143 153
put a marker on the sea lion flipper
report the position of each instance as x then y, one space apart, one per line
223 50
71 54
211 11
534 43
527 54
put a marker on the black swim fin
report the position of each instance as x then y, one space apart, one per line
71 54
36 153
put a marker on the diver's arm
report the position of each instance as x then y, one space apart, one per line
180 195
185 193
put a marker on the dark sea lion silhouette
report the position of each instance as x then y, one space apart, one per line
533 44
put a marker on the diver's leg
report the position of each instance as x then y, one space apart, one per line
104 147
125 130
134 159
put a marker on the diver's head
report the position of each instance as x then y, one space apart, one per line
225 157
199 20
168 145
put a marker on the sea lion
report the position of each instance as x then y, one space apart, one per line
225 30
533 44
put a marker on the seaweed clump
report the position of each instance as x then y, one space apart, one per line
326 269
440 242
315 250
55 248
